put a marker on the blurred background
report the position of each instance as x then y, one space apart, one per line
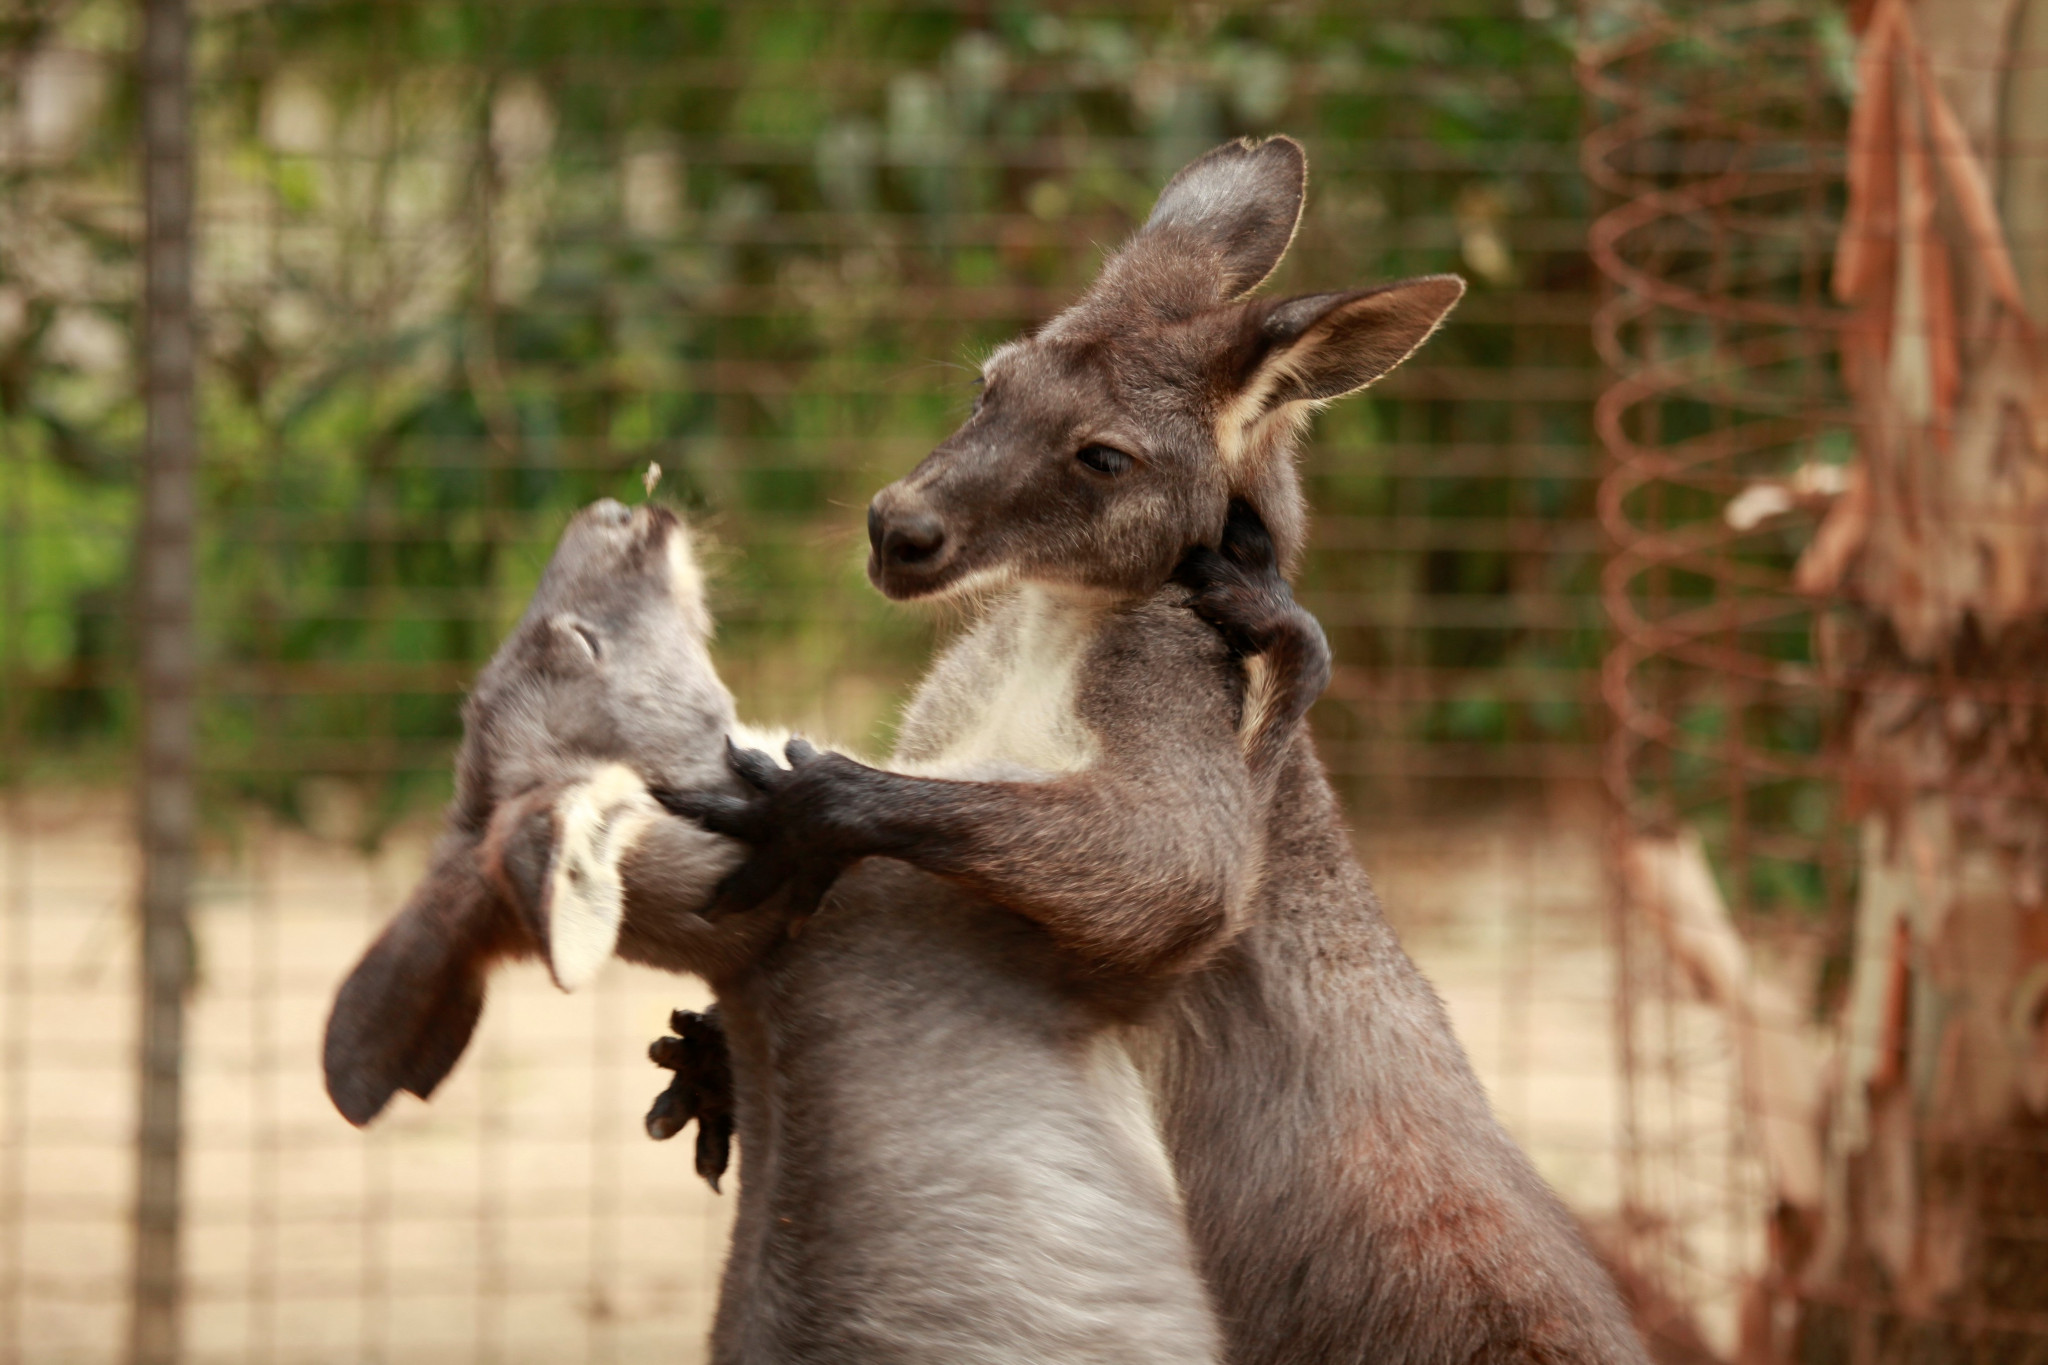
1687 593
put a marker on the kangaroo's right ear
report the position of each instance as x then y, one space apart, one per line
406 1012
1216 232
1241 201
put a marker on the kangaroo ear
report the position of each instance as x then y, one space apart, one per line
406 1012
556 856
1242 202
1219 228
1322 346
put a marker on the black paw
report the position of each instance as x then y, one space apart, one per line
701 1090
1238 587
806 823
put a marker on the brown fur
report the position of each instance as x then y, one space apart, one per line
1351 1194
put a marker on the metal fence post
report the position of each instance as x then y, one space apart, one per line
166 810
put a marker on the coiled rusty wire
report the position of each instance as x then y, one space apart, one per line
1718 147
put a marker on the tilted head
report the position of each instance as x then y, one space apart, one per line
608 665
1114 437
604 686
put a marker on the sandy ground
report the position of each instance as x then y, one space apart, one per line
523 1216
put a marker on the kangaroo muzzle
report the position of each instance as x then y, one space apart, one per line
909 548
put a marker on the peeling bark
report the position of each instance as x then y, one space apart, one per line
1934 1137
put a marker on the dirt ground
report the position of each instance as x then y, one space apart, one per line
523 1216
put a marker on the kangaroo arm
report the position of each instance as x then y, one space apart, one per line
670 877
1141 861
1146 875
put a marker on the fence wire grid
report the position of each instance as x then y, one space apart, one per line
1826 239
462 267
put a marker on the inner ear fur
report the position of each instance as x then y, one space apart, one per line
1291 355
544 877
1322 346
557 854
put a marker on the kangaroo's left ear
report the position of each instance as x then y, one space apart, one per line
1317 347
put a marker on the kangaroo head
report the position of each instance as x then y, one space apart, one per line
607 665
1115 436
604 686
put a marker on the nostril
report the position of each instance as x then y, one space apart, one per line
875 528
912 539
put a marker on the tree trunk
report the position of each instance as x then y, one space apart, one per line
1932 1242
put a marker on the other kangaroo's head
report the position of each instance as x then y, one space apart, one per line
1108 441
604 686
607 665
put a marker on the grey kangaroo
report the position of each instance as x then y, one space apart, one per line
948 1158
1350 1194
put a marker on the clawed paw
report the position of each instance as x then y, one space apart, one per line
701 1090
1237 587
794 817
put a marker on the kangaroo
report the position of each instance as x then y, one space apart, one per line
1350 1194
948 1158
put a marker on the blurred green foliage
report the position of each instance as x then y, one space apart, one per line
467 264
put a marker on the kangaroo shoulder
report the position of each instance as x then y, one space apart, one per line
1156 655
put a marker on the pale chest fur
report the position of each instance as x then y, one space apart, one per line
1001 702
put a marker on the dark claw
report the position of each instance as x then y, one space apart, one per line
688 804
746 886
756 769
714 1150
1200 568
1238 588
667 1118
701 1090
733 816
794 821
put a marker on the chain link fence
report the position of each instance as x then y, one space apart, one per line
1826 234
460 268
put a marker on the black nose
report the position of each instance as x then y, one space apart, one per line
904 537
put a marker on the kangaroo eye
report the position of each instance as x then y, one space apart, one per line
584 636
1104 459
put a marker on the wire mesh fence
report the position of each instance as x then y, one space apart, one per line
462 267
1825 240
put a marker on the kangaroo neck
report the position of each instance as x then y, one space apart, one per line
1001 702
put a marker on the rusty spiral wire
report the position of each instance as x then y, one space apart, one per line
1718 148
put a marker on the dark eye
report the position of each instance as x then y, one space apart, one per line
1104 459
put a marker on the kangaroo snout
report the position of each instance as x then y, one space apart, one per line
904 534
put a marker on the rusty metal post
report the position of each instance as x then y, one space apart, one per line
164 589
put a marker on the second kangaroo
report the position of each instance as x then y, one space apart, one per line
947 1156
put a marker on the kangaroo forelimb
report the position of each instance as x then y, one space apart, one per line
1239 590
701 1089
